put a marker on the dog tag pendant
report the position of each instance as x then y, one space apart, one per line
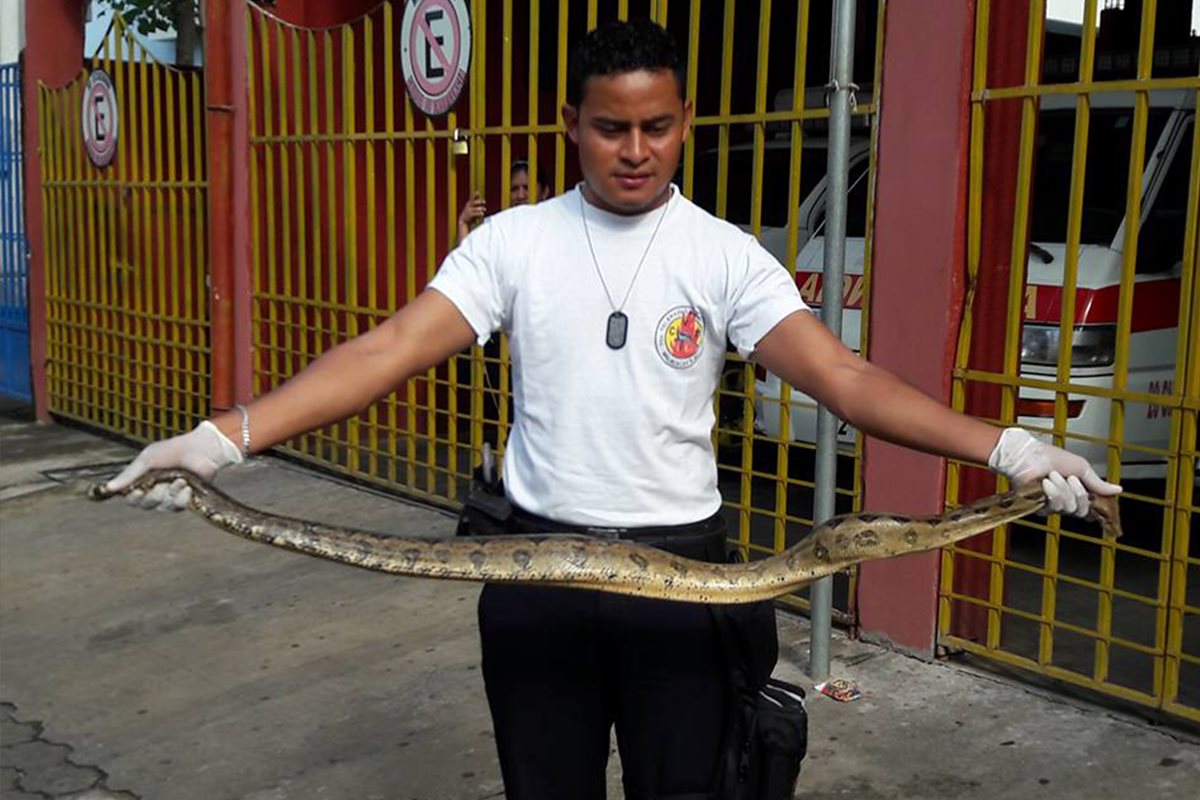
618 326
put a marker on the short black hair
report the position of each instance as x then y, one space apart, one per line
522 165
619 47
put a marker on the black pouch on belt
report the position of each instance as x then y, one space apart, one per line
486 511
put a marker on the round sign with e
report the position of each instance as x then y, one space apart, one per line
100 118
435 52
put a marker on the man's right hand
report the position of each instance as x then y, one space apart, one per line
204 451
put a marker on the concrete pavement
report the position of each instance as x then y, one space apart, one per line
148 655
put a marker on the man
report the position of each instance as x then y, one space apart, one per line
518 192
618 298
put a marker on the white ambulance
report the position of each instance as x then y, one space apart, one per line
1153 342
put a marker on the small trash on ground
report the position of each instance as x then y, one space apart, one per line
840 689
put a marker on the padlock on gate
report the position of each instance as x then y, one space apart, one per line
460 142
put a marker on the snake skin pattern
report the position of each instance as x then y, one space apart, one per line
613 565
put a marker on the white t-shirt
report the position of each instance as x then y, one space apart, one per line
615 438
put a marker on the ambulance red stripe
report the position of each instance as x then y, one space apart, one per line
1155 302
1155 305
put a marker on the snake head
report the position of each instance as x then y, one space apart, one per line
100 491
1103 509
1106 511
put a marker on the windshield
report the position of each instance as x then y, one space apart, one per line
1110 135
776 174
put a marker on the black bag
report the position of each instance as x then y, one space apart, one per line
768 725
771 730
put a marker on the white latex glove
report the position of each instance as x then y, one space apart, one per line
1066 478
203 451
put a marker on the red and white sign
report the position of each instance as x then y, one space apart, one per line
100 118
435 51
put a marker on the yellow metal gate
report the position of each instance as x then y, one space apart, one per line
127 306
355 197
1099 347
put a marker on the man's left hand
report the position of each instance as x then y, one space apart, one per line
1067 479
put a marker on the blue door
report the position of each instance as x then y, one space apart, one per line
14 250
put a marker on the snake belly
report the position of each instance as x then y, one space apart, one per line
613 565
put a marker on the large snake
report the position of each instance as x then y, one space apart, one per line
613 565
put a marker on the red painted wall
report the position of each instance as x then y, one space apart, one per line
322 13
917 284
53 55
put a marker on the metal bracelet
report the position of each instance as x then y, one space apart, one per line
245 430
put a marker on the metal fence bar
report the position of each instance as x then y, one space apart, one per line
1181 668
14 248
795 176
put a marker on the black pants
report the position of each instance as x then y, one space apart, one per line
562 667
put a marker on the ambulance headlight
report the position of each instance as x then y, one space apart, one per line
1091 345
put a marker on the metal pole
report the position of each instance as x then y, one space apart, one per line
840 102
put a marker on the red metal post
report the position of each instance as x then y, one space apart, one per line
228 201
917 283
53 55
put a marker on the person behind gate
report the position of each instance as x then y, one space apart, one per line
618 298
475 209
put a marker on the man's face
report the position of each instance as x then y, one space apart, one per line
630 129
518 191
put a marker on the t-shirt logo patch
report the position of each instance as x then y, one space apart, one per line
680 336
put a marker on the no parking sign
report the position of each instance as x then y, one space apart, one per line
435 51
100 118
